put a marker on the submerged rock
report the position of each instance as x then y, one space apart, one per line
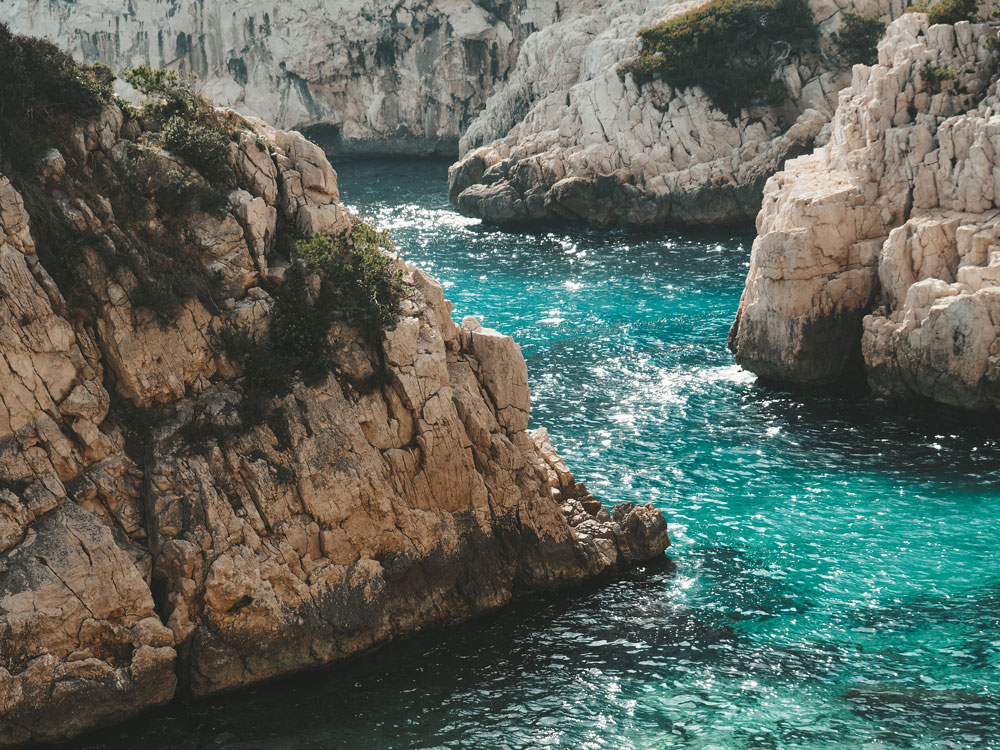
569 136
151 534
877 255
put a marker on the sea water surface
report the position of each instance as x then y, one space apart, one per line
835 575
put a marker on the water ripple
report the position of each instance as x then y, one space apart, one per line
835 581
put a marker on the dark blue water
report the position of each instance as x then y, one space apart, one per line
835 579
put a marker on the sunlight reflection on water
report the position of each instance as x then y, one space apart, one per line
835 580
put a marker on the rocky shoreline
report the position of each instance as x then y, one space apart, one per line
161 532
569 136
876 255
160 529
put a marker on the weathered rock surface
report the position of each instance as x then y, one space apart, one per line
879 254
372 76
149 538
567 137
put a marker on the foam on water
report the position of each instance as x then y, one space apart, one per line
835 580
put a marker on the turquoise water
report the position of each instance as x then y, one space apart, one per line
835 580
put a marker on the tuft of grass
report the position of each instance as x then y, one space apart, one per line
729 48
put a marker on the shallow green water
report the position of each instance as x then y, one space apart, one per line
835 579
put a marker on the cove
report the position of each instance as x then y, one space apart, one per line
834 579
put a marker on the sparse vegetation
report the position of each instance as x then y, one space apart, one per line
42 93
157 296
359 285
366 282
189 126
178 193
947 11
858 37
936 76
202 146
730 48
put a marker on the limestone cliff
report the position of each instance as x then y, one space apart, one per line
160 532
567 136
370 77
879 254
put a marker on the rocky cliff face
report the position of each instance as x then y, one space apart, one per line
879 254
152 538
369 77
568 137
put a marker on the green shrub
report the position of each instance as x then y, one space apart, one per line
284 474
190 127
300 322
202 146
179 194
947 11
296 344
42 93
359 285
17 486
858 37
125 106
168 93
176 192
993 45
158 297
730 48
366 283
264 145
201 432
237 342
934 77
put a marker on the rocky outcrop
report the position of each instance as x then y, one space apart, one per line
568 136
878 255
153 538
367 77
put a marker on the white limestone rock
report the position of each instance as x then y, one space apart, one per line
890 269
373 77
568 137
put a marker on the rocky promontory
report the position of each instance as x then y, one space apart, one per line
366 77
878 256
571 134
238 435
